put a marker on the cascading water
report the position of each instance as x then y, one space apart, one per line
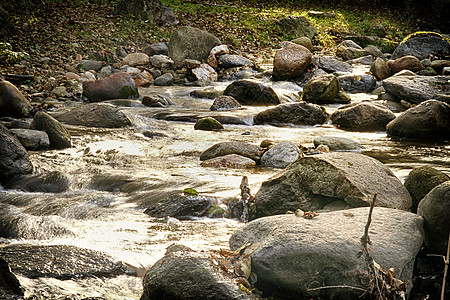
114 173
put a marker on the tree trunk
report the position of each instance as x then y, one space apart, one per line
151 10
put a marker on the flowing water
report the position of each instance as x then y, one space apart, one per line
114 173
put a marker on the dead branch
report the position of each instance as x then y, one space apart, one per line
365 241
246 198
210 4
338 287
446 260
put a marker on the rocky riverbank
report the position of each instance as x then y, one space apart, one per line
327 188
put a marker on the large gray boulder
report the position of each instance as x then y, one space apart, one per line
224 148
248 92
331 65
118 86
430 120
421 46
291 61
281 155
314 181
301 113
14 158
362 116
291 254
101 115
32 139
191 43
416 89
435 209
181 206
357 84
32 261
184 274
12 102
58 135
10 287
324 89
297 27
420 181
337 143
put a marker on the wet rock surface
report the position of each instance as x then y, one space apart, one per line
60 262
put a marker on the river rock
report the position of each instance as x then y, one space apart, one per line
435 209
101 115
136 59
58 135
156 101
407 62
248 92
15 160
324 89
229 161
420 181
364 60
224 148
357 83
380 69
88 65
331 65
225 103
291 254
291 61
185 274
374 51
117 86
350 53
427 121
210 92
159 48
143 79
337 143
297 27
314 181
161 61
209 124
181 207
12 102
67 262
32 139
228 61
215 53
204 73
53 182
192 43
165 79
349 44
9 284
421 46
439 64
362 116
300 113
303 41
416 89
281 155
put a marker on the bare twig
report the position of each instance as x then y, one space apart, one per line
338 287
446 260
246 197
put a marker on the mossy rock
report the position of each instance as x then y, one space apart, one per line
421 181
127 92
209 124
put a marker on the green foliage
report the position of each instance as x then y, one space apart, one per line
424 34
190 192
7 56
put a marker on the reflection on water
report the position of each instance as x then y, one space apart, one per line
114 172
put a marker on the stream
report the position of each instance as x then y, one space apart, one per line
115 173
